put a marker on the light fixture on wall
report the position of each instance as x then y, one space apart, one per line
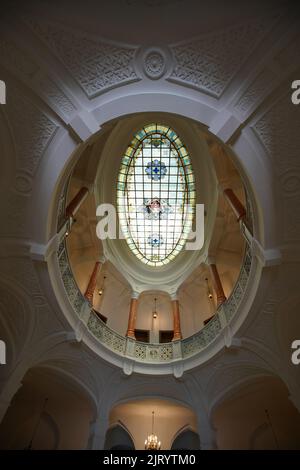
152 442
101 290
209 294
154 313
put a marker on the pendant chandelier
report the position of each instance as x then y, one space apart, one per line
152 442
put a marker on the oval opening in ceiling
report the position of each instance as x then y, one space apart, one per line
156 195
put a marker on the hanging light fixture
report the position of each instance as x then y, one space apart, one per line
209 294
152 442
155 311
101 290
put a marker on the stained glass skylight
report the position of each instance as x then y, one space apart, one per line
156 195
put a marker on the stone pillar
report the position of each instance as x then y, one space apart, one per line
206 431
89 293
208 441
235 204
98 429
132 315
76 202
221 297
176 318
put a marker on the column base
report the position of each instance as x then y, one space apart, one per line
220 301
130 334
177 336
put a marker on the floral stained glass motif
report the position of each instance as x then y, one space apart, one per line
156 170
156 195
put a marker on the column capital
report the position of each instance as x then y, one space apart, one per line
210 260
135 294
90 187
102 259
174 296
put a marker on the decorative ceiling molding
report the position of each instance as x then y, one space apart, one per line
210 62
95 64
32 130
154 63
57 98
278 131
255 91
26 69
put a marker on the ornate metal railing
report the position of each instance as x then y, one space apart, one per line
145 352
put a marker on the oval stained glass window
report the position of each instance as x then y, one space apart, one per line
156 195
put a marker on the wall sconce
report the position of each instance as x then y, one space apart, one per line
101 290
209 294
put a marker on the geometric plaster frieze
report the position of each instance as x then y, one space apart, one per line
32 134
210 62
95 64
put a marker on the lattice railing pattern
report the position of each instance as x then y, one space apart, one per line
232 303
154 353
107 336
74 294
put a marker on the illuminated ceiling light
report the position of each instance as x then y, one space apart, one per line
152 442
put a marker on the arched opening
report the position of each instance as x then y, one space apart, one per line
258 415
186 439
118 438
163 418
45 414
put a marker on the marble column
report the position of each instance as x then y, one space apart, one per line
221 297
89 293
98 430
132 315
176 318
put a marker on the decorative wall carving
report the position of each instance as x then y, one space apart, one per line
255 91
210 62
23 183
32 130
57 97
278 129
23 66
21 271
95 64
154 64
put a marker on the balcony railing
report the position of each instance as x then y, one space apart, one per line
147 352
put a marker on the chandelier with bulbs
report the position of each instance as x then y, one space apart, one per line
152 442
